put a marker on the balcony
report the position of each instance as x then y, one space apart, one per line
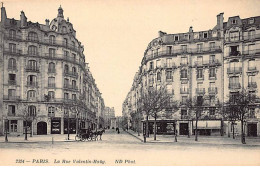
234 86
71 74
214 62
10 51
33 54
198 63
184 116
51 85
234 53
70 87
183 64
200 90
234 70
51 114
32 84
184 91
252 85
10 114
32 39
251 37
213 90
11 82
7 97
32 69
13 37
248 53
51 70
205 50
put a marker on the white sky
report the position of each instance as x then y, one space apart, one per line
115 33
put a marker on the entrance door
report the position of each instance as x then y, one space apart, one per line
41 128
252 130
184 128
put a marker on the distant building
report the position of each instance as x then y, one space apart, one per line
109 114
209 65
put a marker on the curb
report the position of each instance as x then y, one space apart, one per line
134 136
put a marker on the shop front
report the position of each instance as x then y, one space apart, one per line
55 126
164 127
207 127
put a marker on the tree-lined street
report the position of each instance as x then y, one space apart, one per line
126 147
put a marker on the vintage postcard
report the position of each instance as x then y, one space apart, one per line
130 83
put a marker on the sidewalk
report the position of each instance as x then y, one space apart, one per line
38 138
214 140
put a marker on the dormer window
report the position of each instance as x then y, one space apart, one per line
205 35
176 38
234 21
64 29
251 21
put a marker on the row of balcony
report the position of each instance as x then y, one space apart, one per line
52 42
71 74
244 52
185 51
211 90
242 37
70 87
235 70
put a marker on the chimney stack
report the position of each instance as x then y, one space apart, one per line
3 14
160 33
47 22
190 30
23 19
220 20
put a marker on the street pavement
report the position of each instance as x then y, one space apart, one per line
123 149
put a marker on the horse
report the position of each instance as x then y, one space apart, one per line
99 133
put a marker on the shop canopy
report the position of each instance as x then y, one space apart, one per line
208 124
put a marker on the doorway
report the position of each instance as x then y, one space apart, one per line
41 128
252 129
184 128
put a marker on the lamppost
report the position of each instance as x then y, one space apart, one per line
6 124
96 124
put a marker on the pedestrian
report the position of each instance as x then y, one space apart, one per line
118 131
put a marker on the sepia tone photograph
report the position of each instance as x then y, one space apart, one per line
130 83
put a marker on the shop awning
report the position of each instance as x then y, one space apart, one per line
208 124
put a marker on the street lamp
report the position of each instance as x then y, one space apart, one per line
6 124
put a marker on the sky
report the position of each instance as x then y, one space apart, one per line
115 33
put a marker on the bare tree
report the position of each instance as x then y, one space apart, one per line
238 106
153 101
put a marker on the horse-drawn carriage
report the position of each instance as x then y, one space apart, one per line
86 134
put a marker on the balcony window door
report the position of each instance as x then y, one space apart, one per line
184 73
66 96
65 42
32 65
151 65
158 63
11 110
251 34
169 50
74 97
169 75
251 49
199 60
66 82
31 111
169 62
169 89
12 64
32 80
184 88
52 52
234 36
184 48
252 81
234 82
251 65
159 76
51 95
51 81
184 60
234 51
66 69
199 73
51 111
12 79
199 47
212 59
212 45
32 36
31 94
12 47
212 72
11 93
51 68
52 39
12 34
74 84
13 125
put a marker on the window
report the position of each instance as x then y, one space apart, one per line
74 56
184 73
74 97
184 88
205 35
184 48
212 100
151 79
187 37
251 49
51 111
52 52
51 68
32 36
32 50
51 95
64 29
199 60
66 69
12 79
66 96
212 45
74 70
66 82
199 47
169 50
251 34
199 100
234 21
73 45
212 111
234 82
212 59
176 38
32 65
169 62
212 72
74 84
32 111
32 80
183 112
52 39
212 85
66 53
12 48
12 64
251 112
51 81
11 93
11 110
159 76
31 94
184 99
65 42
151 65
184 60
158 63
234 36
199 73
12 34
169 75
13 125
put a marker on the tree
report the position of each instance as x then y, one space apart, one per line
237 108
152 101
